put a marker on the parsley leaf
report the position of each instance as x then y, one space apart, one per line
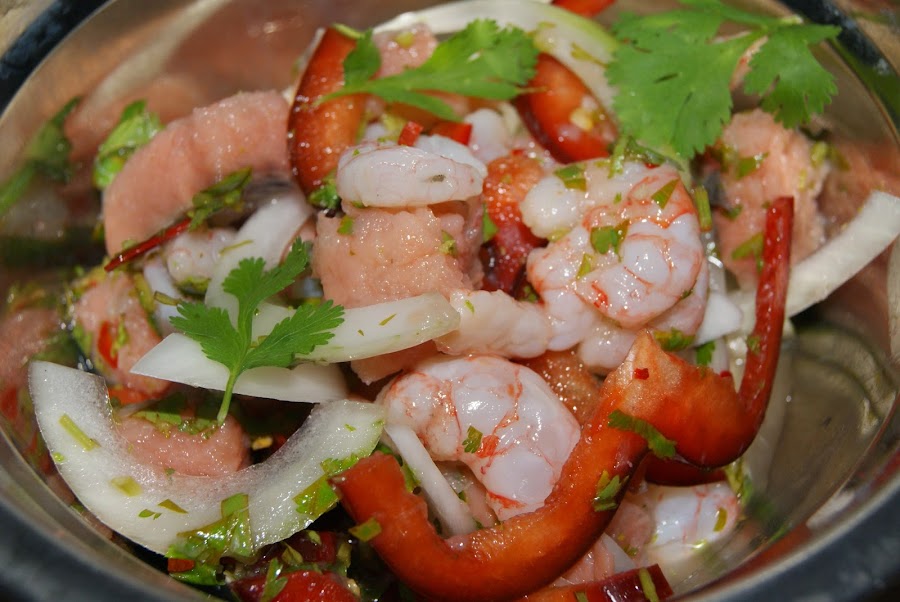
481 60
233 345
674 75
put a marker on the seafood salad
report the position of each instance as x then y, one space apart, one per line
486 305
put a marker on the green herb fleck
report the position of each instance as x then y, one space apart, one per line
753 343
387 319
346 226
608 489
704 211
472 441
609 237
317 499
703 353
748 165
233 345
79 435
659 445
752 247
661 197
482 60
326 196
227 193
366 531
585 267
58 457
126 485
448 244
572 176
647 585
172 506
273 583
488 228
146 513
470 306
581 597
136 127
673 340
721 519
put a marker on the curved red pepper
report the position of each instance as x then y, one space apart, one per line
319 133
547 113
460 131
700 410
587 8
144 247
508 181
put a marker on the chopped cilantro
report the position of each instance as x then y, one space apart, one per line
608 489
346 226
747 165
482 60
661 197
147 513
586 266
666 58
136 127
317 499
703 353
234 346
227 193
752 247
472 441
572 176
366 531
170 505
126 485
326 196
488 228
448 244
273 583
673 340
609 237
659 445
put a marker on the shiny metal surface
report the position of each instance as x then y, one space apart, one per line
824 519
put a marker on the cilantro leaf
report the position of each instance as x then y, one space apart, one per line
794 89
674 75
136 127
232 345
481 60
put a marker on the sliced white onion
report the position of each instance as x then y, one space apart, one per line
722 316
267 234
579 43
180 359
863 239
151 507
452 512
375 329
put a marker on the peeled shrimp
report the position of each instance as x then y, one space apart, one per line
191 257
653 273
519 432
435 170
159 181
764 161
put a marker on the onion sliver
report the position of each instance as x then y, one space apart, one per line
869 233
375 329
180 359
450 510
580 44
151 507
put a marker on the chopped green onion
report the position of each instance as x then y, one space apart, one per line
170 505
704 211
572 176
366 531
346 226
607 490
126 485
659 445
79 435
661 197
472 441
647 585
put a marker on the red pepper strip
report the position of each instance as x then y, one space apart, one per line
106 340
460 131
570 379
676 473
621 587
299 586
507 561
587 8
158 239
410 133
508 181
700 410
319 133
547 113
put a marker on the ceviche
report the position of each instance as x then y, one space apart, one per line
486 306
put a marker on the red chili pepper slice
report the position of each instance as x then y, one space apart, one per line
106 340
319 133
132 253
587 8
460 131
621 587
548 114
410 133
711 423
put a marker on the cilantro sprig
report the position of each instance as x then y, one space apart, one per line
233 345
483 60
136 127
673 75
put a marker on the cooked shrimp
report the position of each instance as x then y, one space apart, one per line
492 322
435 170
498 418
158 182
631 257
491 138
763 161
191 257
116 330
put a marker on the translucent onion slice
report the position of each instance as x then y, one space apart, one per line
180 359
580 44
151 507
452 512
366 332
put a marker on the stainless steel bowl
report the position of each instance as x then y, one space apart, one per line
826 524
